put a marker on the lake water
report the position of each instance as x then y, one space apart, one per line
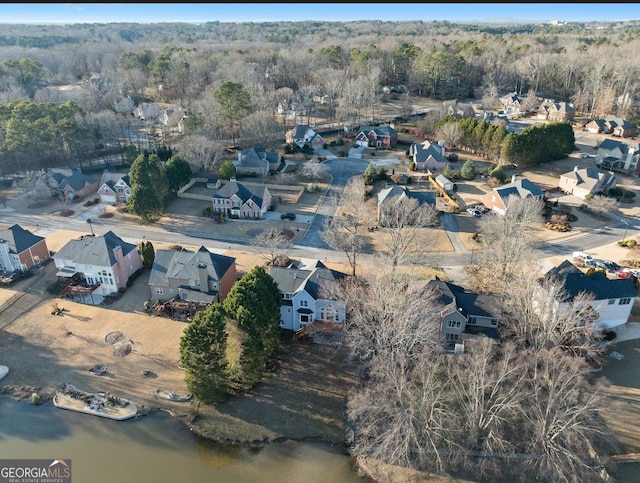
157 448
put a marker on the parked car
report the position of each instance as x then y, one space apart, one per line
474 211
453 157
582 256
624 274
611 267
287 216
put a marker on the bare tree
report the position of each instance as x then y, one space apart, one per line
451 133
603 204
406 225
508 241
345 230
271 243
201 152
314 171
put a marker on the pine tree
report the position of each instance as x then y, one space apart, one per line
254 302
203 355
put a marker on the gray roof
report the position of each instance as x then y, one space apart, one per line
381 131
77 180
520 188
423 197
94 250
245 193
19 239
110 179
575 282
588 177
467 303
426 149
291 280
183 265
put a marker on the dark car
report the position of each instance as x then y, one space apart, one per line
288 216
453 157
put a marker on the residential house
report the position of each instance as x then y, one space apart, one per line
613 299
20 249
304 137
616 126
291 109
304 296
428 156
246 201
213 183
587 181
147 111
513 102
465 315
70 186
199 278
498 199
93 267
616 155
556 111
396 194
459 110
173 118
257 161
383 136
114 188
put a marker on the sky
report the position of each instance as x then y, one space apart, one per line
53 13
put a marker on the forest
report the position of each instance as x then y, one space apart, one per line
118 66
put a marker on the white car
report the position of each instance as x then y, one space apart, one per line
582 255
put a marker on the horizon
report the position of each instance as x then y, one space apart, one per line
105 13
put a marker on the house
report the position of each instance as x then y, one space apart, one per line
20 249
114 188
173 117
70 186
93 267
556 111
616 155
383 136
428 156
235 199
465 315
290 109
587 181
199 278
304 137
213 183
398 193
615 126
304 299
513 101
498 199
257 161
613 299
459 110
147 111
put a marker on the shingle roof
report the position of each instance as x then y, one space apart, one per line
520 187
96 250
468 303
291 280
575 282
77 180
588 177
245 193
183 265
19 239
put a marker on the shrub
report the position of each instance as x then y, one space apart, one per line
588 197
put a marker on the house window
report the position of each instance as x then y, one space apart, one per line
624 301
472 321
494 322
304 303
304 319
454 323
159 291
612 301
453 337
286 296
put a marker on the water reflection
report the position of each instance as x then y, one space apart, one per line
157 448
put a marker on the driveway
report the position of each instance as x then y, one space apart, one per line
341 171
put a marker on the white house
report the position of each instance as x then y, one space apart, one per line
303 297
612 299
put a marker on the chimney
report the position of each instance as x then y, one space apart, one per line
513 178
239 156
575 169
204 277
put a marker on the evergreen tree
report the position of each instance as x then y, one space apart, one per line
468 170
203 355
178 172
147 253
227 170
254 302
370 174
149 186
